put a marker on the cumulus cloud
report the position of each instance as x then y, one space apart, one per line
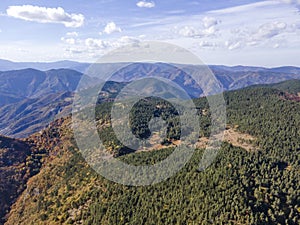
209 22
208 27
111 28
70 41
97 46
126 40
190 31
45 15
72 34
264 34
209 31
96 43
269 30
145 4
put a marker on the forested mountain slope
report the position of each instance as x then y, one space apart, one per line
240 187
17 164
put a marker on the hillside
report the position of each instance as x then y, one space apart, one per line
291 86
30 83
30 99
241 187
17 165
33 114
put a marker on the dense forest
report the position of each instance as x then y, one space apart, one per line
240 187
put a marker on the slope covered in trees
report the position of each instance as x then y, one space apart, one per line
19 161
240 187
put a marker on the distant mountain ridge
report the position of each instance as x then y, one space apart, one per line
17 85
6 65
31 98
230 77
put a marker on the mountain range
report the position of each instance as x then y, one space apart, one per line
6 65
31 98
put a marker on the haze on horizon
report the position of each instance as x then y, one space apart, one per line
242 32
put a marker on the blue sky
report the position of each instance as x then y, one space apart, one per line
247 32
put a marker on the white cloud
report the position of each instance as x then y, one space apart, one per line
244 8
292 2
274 21
70 41
96 43
206 44
149 23
125 40
96 46
256 36
190 31
209 31
93 43
252 43
193 32
145 4
269 30
74 50
206 27
111 28
209 22
72 34
174 12
231 45
142 36
45 15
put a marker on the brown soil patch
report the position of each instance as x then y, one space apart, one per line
231 135
292 97
234 137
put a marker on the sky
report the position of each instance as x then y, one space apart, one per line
227 32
